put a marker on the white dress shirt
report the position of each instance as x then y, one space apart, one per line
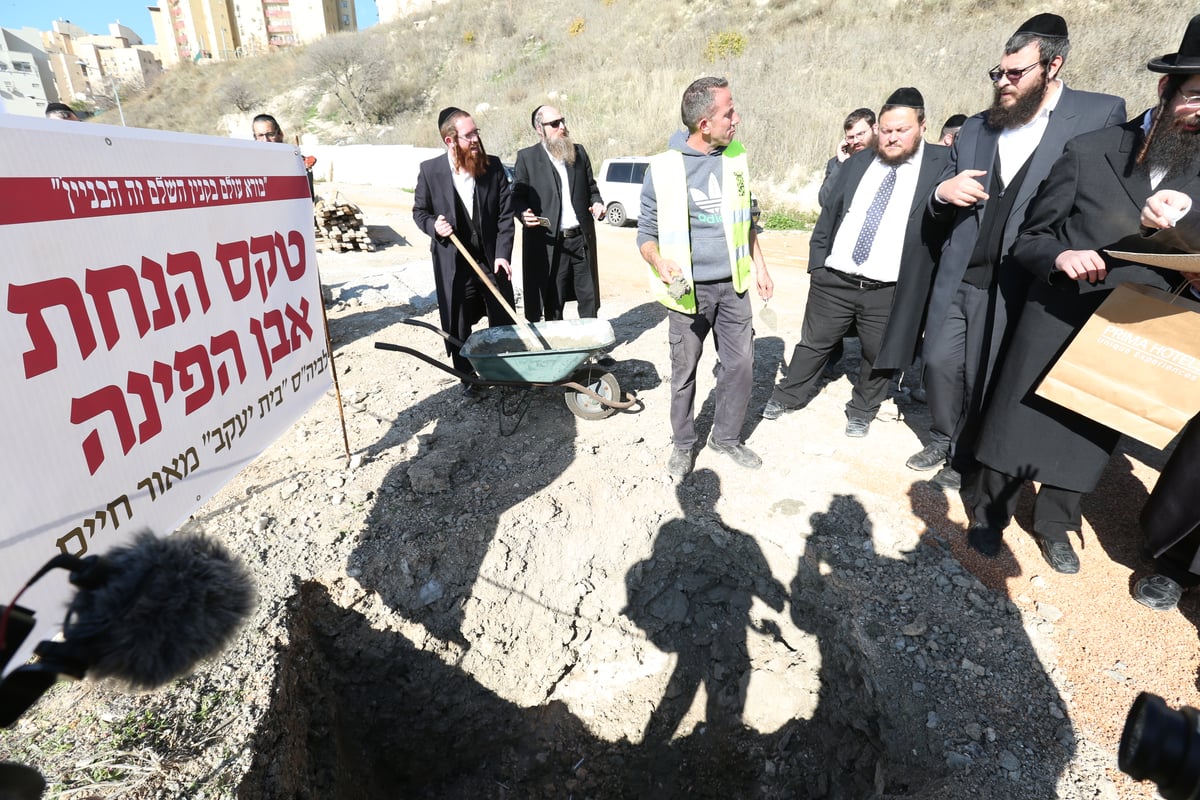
883 262
464 184
1016 145
567 218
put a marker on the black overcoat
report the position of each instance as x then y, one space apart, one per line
975 147
536 186
435 195
1091 200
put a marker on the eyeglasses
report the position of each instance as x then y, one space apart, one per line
1187 99
1013 75
473 136
555 123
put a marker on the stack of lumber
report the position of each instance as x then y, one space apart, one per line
340 226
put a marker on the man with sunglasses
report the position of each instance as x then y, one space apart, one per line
465 192
556 196
999 158
1091 202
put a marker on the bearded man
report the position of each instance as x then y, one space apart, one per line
1091 200
998 160
466 192
558 200
867 252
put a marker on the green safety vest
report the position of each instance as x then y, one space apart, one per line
674 231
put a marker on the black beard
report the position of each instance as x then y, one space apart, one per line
1173 149
563 149
898 159
1000 118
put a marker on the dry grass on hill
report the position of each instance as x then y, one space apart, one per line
617 68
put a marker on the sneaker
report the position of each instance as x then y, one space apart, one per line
856 427
680 462
742 456
775 409
931 456
1157 592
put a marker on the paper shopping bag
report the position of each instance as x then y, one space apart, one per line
1134 366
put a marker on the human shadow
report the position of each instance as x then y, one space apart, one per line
914 701
438 509
692 597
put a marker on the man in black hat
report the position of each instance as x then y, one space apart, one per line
466 193
999 158
867 253
556 196
1090 201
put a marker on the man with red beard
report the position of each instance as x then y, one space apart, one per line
466 192
866 251
998 160
1091 200
556 195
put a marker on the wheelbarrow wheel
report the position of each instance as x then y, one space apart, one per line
600 382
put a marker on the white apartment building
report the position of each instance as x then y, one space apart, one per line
26 76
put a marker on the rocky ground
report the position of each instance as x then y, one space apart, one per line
476 605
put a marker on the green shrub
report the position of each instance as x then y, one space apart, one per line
788 220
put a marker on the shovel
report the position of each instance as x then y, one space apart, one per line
529 335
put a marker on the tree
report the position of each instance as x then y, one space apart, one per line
348 67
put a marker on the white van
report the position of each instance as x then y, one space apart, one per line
620 183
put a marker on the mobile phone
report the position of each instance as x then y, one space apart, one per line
544 222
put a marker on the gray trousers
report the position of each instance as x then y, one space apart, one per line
729 316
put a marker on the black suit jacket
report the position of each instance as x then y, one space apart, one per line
1091 200
435 195
975 148
921 245
536 186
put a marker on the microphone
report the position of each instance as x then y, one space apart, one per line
148 611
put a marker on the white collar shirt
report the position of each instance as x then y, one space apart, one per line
883 261
567 218
464 184
1016 145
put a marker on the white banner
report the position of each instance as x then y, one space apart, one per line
160 326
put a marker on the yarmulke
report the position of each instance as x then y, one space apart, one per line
446 113
906 96
1044 25
533 116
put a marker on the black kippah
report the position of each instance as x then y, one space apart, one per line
906 96
1044 25
446 113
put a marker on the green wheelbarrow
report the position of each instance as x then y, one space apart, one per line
560 353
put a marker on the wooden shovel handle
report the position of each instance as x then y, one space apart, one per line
532 334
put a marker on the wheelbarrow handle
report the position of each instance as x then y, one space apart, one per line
454 340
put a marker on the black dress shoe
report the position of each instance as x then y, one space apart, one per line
931 457
1059 555
775 409
985 539
947 479
1157 592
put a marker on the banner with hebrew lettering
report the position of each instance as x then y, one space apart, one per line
160 327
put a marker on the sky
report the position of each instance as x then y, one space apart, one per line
94 16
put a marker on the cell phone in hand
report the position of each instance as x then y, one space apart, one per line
544 222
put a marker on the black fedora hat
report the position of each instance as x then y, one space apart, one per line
1187 60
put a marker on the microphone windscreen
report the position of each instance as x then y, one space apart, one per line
166 604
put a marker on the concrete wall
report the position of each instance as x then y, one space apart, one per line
370 164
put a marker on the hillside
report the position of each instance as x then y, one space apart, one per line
618 67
